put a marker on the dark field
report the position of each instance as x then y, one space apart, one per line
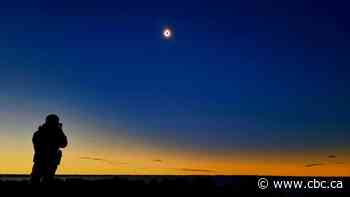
173 185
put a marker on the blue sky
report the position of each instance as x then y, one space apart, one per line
241 75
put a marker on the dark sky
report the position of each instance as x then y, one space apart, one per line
237 75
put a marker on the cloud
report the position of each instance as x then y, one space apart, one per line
102 160
97 159
158 160
329 162
314 165
93 158
196 170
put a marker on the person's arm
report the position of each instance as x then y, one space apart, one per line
63 142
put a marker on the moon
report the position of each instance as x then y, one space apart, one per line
167 33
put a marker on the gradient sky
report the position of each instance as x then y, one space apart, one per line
243 87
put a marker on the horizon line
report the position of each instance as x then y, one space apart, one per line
111 175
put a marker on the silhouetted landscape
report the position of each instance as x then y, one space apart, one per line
178 185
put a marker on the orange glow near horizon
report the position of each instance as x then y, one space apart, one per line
92 153
145 161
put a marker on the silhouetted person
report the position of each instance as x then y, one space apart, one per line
47 142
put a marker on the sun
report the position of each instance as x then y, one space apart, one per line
167 33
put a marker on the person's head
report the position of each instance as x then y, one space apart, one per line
52 120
